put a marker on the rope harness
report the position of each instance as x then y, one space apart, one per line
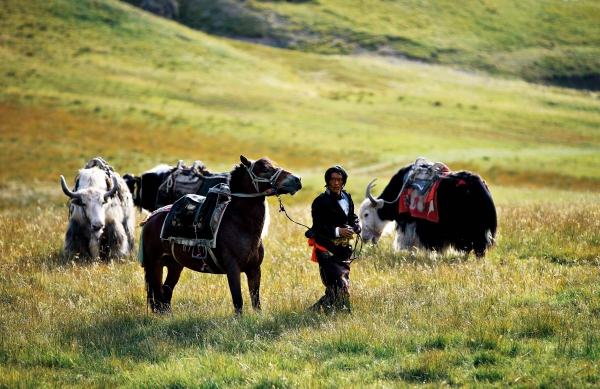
256 180
423 170
358 237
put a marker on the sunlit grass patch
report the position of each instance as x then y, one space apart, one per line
433 366
563 233
102 79
418 318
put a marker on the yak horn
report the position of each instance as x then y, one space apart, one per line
376 203
66 189
114 188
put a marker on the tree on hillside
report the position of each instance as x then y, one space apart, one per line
166 8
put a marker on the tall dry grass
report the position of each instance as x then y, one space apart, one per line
527 315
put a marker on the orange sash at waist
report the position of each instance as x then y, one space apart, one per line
315 246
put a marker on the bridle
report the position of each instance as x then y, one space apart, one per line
256 180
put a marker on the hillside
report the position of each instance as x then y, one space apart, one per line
87 78
100 77
550 42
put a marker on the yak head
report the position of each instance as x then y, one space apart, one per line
134 186
92 203
372 224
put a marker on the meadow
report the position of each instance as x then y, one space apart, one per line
545 41
101 78
526 316
74 74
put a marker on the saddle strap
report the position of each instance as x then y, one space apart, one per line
212 255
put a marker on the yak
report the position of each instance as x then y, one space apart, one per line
465 212
102 215
152 180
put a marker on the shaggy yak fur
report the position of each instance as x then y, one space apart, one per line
101 222
467 215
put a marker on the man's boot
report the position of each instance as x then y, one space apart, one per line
316 307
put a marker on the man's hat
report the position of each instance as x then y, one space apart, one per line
336 169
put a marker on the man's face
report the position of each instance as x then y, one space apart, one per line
335 183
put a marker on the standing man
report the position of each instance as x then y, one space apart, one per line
334 224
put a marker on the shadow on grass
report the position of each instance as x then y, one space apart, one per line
58 260
155 338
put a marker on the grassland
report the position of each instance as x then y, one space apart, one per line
128 79
543 41
526 316
99 77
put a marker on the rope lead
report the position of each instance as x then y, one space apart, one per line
358 237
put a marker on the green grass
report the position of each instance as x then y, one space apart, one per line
101 78
541 41
153 91
523 316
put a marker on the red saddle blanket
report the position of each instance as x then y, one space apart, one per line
419 192
420 203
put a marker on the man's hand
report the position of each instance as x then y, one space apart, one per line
346 233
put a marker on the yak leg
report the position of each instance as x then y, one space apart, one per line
95 251
77 240
480 249
233 278
484 241
116 239
254 287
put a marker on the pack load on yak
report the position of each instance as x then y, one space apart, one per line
434 208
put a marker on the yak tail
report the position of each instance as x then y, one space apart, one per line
141 248
491 241
487 215
141 258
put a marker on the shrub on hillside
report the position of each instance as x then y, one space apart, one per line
222 17
168 9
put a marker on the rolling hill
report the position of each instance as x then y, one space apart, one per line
87 78
549 42
100 77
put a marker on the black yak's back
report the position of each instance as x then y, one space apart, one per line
467 212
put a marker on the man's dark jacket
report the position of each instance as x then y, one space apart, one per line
327 214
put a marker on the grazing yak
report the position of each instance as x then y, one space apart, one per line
433 208
102 215
152 179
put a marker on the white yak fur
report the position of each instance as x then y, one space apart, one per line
96 221
373 228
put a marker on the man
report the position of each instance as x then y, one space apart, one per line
334 224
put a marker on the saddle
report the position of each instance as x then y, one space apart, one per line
194 221
181 181
419 192
101 164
